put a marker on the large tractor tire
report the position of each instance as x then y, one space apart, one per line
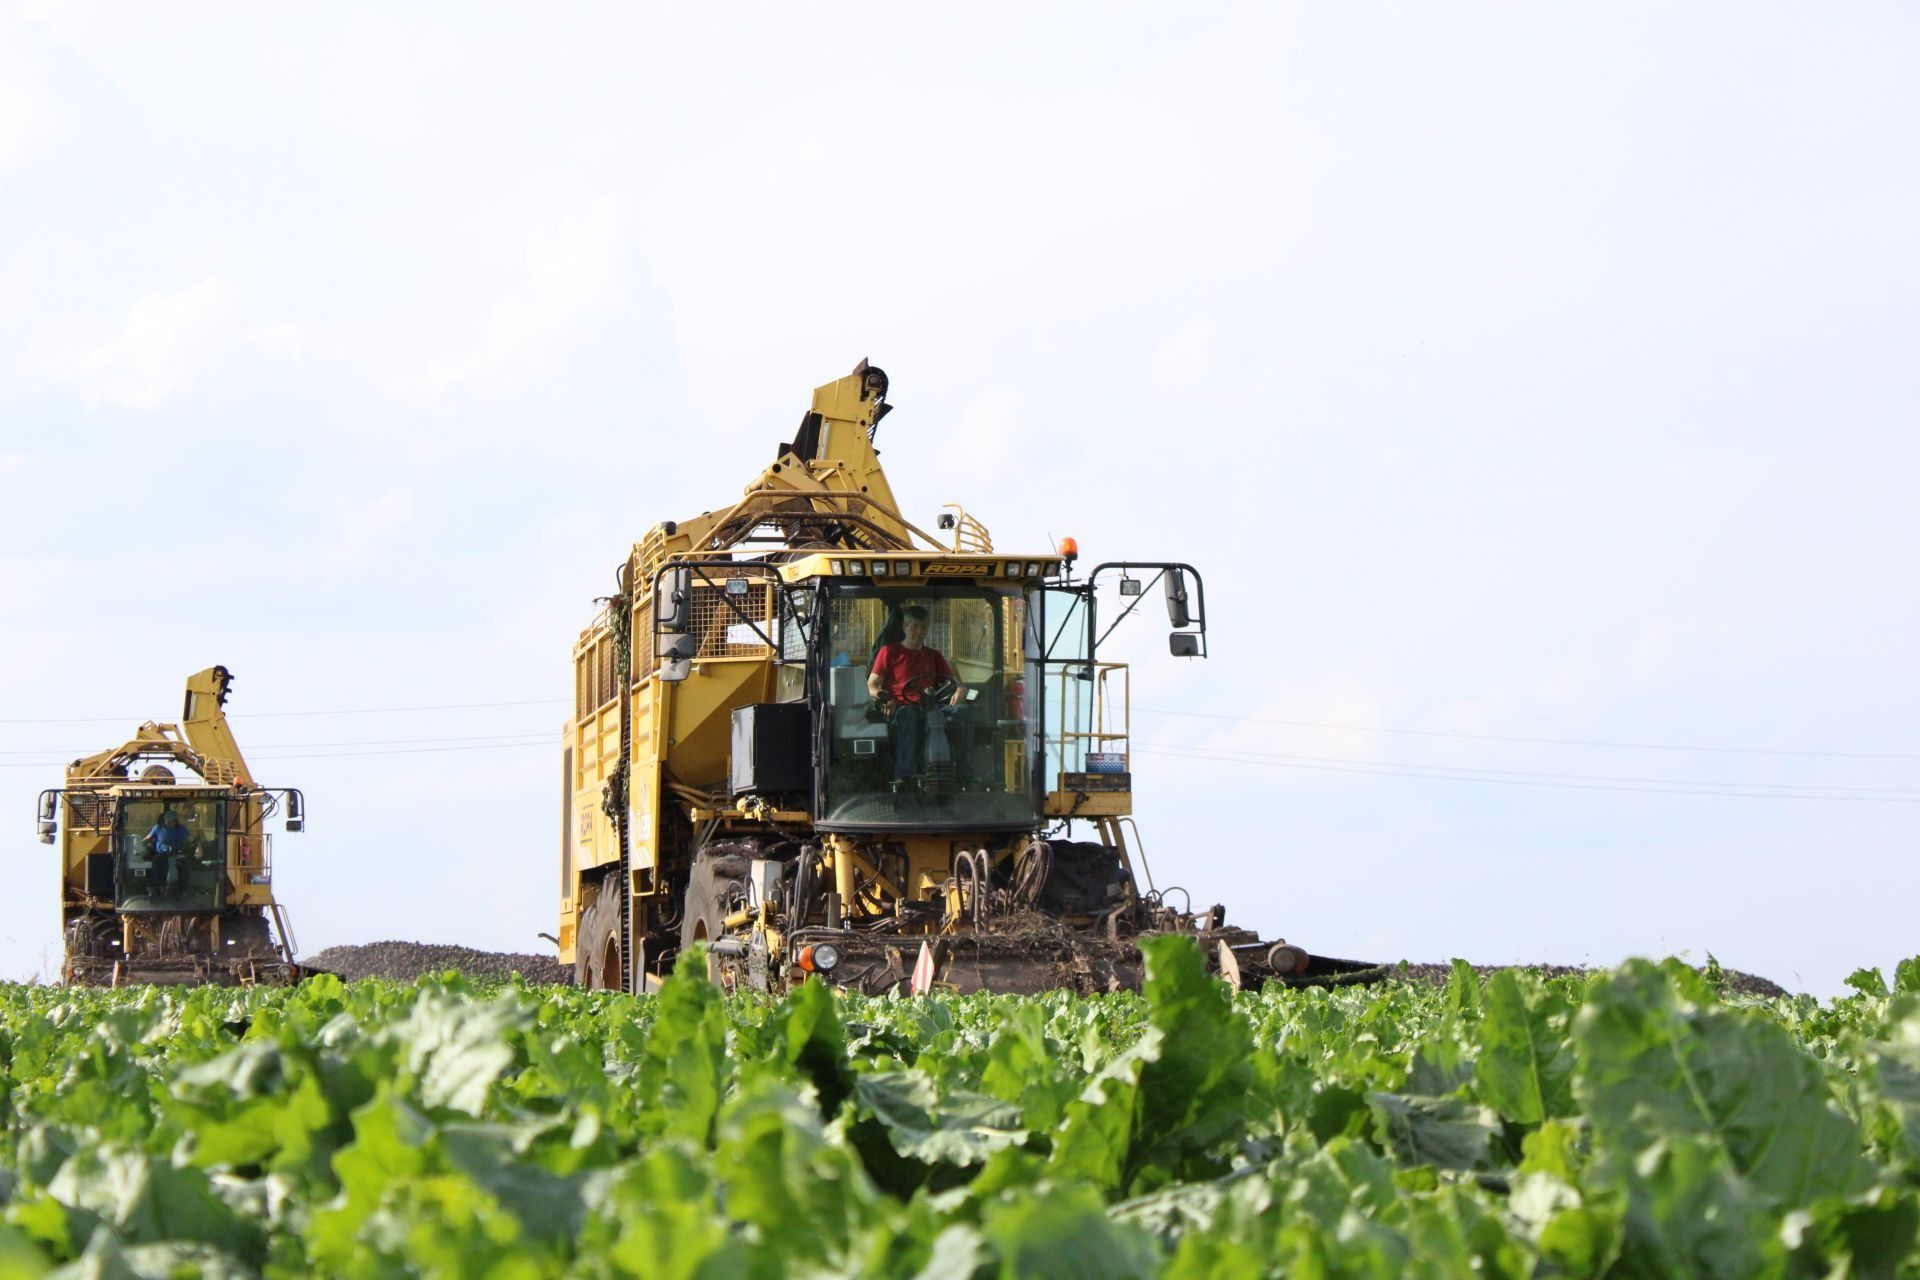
596 948
716 883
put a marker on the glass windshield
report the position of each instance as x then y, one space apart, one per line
169 854
928 722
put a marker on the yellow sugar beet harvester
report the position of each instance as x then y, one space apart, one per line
731 778
166 879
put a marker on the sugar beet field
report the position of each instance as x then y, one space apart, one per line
1645 1121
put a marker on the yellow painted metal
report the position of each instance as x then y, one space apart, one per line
841 855
919 566
202 742
1088 804
826 488
843 477
968 533
751 815
204 721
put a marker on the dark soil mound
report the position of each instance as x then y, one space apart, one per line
1731 981
405 961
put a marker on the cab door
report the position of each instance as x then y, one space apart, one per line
1060 648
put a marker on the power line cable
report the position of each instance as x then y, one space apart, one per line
1162 711
1530 782
543 735
411 751
1239 753
280 715
479 744
1553 742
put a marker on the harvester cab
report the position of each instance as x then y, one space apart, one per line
167 869
830 745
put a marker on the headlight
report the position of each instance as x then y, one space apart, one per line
825 956
881 568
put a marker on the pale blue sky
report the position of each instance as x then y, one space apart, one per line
1521 371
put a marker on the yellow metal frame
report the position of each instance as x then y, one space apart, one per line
201 741
1109 727
827 505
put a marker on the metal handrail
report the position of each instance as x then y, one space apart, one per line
1105 715
288 947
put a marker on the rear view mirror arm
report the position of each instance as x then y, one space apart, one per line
1128 611
1199 621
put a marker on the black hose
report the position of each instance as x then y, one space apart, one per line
1031 872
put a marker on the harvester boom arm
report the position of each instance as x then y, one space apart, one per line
204 722
201 741
828 477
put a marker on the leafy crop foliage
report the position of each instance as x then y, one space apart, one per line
1636 1123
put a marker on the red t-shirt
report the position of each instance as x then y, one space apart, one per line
909 674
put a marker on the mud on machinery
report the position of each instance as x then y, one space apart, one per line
168 880
737 774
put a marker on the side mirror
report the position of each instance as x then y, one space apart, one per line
676 657
296 811
672 599
1184 644
1177 611
672 606
48 824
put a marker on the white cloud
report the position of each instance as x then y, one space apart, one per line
280 339
1286 737
167 345
1576 690
24 581
11 462
571 274
27 119
987 435
364 526
1183 358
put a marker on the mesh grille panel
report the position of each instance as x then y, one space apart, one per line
642 633
722 631
92 813
603 688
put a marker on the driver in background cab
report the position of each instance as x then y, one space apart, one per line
167 840
909 673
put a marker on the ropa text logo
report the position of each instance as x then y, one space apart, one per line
934 567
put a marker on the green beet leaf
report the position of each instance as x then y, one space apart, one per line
458 1049
1524 1068
1655 1067
685 1073
1447 1133
958 1129
1065 1234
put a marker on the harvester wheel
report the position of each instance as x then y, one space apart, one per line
712 889
596 962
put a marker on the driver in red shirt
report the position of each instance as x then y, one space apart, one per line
909 672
